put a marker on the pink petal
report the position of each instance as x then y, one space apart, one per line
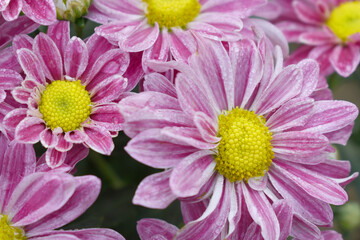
193 210
149 228
115 30
258 183
154 191
322 55
192 173
303 229
293 30
37 195
22 41
63 145
54 158
310 70
48 138
240 8
261 212
99 139
76 57
31 65
21 94
340 136
77 153
247 68
331 235
19 160
307 13
76 136
9 79
142 37
129 7
108 89
29 129
134 72
345 59
183 44
284 214
207 127
206 30
12 10
295 112
60 34
13 118
4 4
153 149
158 83
49 56
332 168
108 116
319 187
55 236
86 192
44 14
84 234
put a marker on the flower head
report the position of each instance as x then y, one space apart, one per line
164 30
68 95
328 30
242 132
33 203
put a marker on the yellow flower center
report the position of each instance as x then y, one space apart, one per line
245 149
8 232
171 13
344 20
65 104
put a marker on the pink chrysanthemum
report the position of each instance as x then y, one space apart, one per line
42 12
242 131
68 93
329 30
163 29
33 204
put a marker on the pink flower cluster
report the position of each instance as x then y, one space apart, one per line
242 131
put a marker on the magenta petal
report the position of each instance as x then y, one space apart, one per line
13 118
63 145
76 136
9 79
142 37
149 228
21 94
192 173
99 139
159 83
193 210
310 70
84 234
159 51
108 116
261 212
331 235
134 72
183 44
86 192
22 41
12 10
306 13
303 229
151 148
345 59
207 30
108 89
76 58
48 138
77 153
19 160
54 158
44 13
37 195
29 129
55 236
332 168
49 56
31 65
340 136
60 34
284 214
317 38
207 127
3 4
154 191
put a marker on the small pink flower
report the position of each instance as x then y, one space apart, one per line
42 12
243 131
163 30
69 92
33 204
324 29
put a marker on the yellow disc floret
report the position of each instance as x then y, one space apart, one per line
245 149
171 13
65 104
8 232
344 20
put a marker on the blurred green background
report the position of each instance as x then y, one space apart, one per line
120 175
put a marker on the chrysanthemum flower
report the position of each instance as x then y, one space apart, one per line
163 29
243 132
33 204
69 92
329 31
42 12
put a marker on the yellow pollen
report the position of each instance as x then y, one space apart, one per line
344 20
245 149
8 232
171 13
65 104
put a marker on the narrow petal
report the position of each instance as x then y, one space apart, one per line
86 192
303 229
310 70
76 58
13 118
48 138
108 89
192 173
29 129
306 13
108 116
207 128
284 214
54 158
13 10
193 210
148 228
84 234
317 38
134 72
44 14
332 168
60 34
261 212
31 65
9 79
99 139
183 44
63 145
49 56
22 41
37 195
158 83
76 136
21 94
340 136
345 59
154 191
